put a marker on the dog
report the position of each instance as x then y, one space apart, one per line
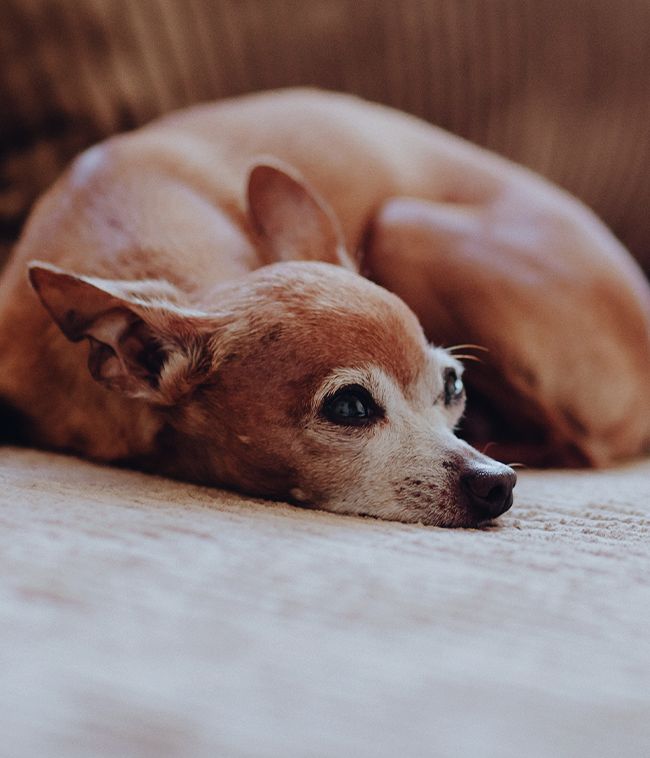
245 294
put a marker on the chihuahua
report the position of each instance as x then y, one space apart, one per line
245 294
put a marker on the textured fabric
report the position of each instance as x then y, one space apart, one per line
141 617
561 86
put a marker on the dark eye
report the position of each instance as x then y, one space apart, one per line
351 406
453 386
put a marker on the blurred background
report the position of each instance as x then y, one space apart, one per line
562 86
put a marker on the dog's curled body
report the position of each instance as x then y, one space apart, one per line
210 262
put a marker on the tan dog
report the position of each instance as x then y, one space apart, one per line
225 348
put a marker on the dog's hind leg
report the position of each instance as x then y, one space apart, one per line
567 335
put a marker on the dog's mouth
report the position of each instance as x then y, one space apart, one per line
464 520
455 516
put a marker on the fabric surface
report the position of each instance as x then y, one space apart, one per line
558 85
142 617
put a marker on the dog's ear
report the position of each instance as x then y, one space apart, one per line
141 344
294 223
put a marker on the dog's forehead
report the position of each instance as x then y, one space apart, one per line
338 318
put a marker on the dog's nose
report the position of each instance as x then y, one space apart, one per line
488 489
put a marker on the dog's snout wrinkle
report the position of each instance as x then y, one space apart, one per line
488 490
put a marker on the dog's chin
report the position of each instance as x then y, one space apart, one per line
465 521
449 517
448 520
466 518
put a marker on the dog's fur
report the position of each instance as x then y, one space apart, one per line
210 260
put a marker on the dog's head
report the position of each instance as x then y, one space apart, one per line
301 380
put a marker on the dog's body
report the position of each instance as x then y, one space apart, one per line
199 311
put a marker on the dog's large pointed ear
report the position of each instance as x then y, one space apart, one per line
141 344
293 222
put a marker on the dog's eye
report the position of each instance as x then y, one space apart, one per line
351 406
453 386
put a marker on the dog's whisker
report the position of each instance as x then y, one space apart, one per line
464 357
466 346
517 465
488 446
